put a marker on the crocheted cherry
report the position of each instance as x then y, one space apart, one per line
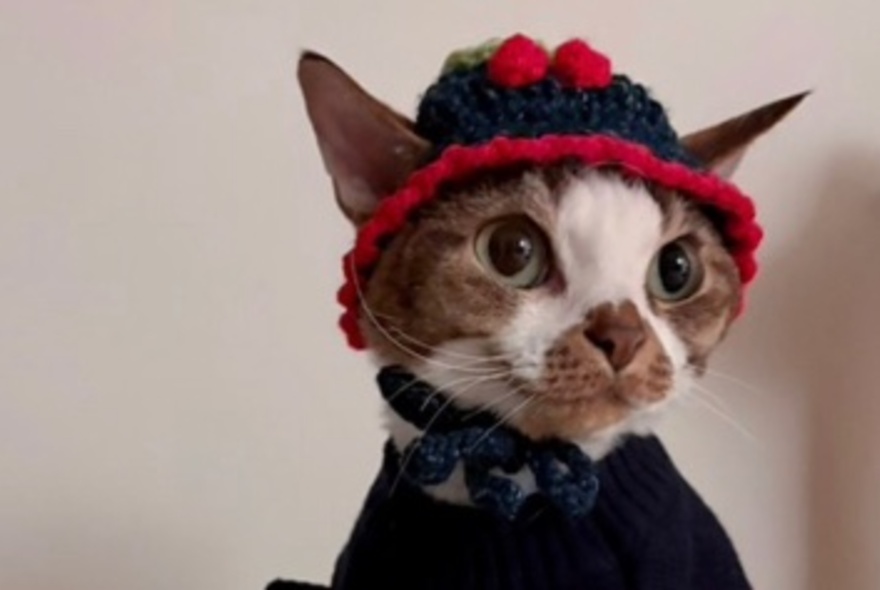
578 65
518 62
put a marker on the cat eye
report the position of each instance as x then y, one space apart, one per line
676 272
515 251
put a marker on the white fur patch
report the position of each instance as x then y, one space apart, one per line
607 232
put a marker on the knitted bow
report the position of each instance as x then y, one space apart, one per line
484 447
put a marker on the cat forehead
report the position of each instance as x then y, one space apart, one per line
571 198
597 208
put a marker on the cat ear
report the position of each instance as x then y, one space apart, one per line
723 146
368 149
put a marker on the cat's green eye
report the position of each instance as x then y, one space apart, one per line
515 251
676 272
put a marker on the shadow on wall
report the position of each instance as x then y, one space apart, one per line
829 334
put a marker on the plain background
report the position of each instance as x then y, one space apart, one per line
177 409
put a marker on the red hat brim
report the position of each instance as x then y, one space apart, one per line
736 213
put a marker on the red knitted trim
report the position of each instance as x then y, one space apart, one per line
742 233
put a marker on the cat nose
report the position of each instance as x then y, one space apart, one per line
618 331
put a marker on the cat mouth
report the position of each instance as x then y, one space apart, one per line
624 391
574 412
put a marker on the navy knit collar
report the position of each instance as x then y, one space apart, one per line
564 474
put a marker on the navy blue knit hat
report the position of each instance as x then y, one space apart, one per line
474 103
514 103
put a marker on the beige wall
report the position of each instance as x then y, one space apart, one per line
176 407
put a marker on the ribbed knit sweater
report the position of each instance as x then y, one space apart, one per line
649 530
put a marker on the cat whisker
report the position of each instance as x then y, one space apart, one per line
497 402
440 386
719 401
446 405
460 367
735 380
403 388
475 366
449 353
396 342
406 460
412 339
473 381
730 420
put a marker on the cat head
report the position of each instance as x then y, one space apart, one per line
539 242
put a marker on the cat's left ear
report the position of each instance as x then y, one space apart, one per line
723 146
368 149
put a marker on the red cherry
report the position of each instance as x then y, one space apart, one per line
579 65
518 62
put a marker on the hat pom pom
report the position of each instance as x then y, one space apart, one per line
578 65
519 62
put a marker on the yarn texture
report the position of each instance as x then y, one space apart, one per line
627 522
648 530
576 64
483 447
518 62
522 105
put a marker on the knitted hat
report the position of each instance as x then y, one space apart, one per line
515 103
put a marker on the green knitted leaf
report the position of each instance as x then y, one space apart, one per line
471 57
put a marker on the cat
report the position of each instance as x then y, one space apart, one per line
570 300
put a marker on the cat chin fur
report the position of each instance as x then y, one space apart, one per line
607 234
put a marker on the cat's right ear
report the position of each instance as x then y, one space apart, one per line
368 149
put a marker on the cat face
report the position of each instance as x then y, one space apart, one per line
571 302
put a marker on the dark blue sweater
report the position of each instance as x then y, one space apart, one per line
649 530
